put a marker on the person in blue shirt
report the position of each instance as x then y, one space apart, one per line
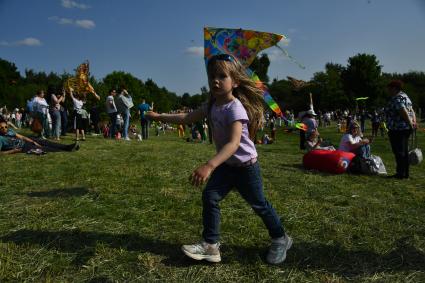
142 109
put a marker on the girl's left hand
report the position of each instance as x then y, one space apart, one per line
201 174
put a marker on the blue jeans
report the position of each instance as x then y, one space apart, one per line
126 118
56 123
363 151
145 128
113 127
45 132
247 181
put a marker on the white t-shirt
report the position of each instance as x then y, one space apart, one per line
40 105
78 104
348 143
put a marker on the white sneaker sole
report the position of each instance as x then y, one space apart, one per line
210 258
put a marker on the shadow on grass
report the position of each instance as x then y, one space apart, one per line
83 244
296 167
350 263
66 192
302 256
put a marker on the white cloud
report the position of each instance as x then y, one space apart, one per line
69 4
275 55
195 50
65 21
29 41
86 24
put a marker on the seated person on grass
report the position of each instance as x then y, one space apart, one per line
11 142
313 141
353 141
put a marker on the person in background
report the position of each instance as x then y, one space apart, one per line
111 109
40 110
353 141
375 119
81 116
124 103
307 118
12 142
95 119
55 105
314 141
401 121
144 122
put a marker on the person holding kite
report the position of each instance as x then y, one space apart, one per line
234 109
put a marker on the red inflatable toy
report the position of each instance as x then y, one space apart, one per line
331 161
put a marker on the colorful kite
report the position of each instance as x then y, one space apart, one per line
301 126
243 45
266 95
80 83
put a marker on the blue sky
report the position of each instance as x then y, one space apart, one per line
163 39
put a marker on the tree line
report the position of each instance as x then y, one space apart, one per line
336 87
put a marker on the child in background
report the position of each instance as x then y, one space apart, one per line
180 130
133 131
79 111
315 142
235 109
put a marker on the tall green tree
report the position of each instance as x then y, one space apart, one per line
329 88
10 79
363 77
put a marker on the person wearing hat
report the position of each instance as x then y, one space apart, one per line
311 124
352 141
401 121
307 118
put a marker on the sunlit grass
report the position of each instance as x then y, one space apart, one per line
119 211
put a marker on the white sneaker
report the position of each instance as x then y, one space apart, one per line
127 139
203 250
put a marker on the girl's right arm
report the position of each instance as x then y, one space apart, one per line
180 118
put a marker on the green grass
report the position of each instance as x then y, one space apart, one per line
119 211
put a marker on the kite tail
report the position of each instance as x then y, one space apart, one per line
290 57
266 95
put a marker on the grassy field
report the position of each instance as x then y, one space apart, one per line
119 211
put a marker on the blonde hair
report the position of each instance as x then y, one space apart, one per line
246 91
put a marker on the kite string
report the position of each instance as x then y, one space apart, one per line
290 57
